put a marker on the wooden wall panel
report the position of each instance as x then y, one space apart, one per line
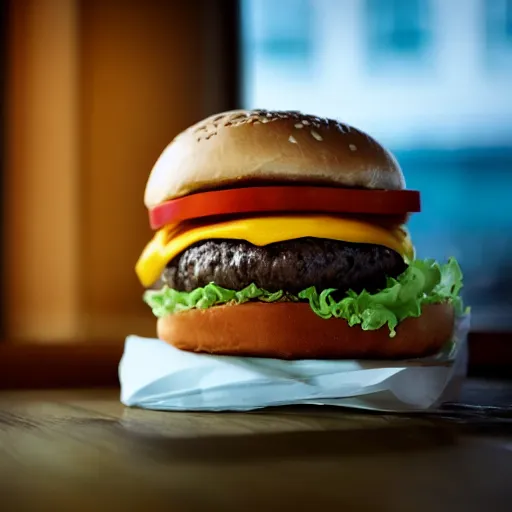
42 171
141 84
96 90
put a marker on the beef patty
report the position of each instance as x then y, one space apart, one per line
291 266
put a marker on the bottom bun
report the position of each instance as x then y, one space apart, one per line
293 331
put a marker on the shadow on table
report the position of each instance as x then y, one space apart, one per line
223 449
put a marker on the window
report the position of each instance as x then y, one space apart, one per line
450 129
398 31
498 33
277 40
276 35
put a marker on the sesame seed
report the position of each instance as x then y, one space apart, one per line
316 135
305 122
292 139
299 125
352 147
256 122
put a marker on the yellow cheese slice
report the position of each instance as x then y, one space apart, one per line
170 241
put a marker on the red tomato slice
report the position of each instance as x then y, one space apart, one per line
285 199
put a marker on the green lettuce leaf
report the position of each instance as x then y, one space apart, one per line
423 282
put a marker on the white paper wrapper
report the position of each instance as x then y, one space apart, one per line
155 375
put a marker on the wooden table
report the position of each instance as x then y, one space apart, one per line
82 450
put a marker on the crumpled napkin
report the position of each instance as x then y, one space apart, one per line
155 375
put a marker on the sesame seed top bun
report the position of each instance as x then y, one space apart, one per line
258 146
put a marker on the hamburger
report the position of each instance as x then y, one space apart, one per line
282 235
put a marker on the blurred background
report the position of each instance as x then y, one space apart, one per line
431 80
94 90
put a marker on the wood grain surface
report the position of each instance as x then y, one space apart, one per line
82 450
